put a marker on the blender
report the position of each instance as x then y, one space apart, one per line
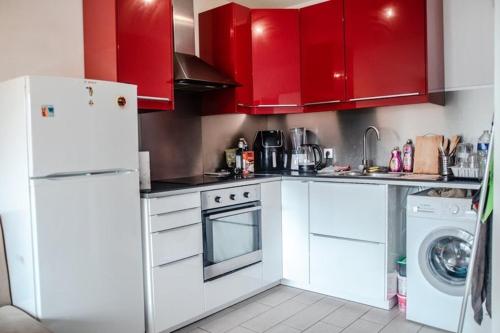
297 139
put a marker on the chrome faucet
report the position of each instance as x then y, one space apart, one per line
370 128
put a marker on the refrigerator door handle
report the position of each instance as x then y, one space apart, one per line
66 175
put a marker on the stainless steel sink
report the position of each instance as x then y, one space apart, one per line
382 175
356 173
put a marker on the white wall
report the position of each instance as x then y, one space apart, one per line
468 31
43 37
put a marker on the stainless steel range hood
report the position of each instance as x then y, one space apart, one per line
190 72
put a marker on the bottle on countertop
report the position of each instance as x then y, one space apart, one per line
395 164
408 152
242 147
483 144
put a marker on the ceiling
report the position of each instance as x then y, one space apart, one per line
276 3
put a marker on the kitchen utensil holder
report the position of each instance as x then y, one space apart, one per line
445 165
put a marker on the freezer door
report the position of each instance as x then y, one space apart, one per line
78 125
88 256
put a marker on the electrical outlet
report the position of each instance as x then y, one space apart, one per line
328 153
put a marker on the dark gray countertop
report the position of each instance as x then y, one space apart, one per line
203 183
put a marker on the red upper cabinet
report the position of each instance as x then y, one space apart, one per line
225 43
260 49
385 49
276 61
131 41
322 52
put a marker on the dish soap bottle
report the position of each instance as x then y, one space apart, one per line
408 156
395 164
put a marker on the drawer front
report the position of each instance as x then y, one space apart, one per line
231 287
176 244
353 211
174 203
177 292
175 219
348 269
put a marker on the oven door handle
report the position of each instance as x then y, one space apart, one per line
234 212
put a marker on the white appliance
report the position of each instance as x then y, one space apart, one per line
69 203
440 233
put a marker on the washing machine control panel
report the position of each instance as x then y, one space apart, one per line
441 207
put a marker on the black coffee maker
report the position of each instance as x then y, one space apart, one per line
269 148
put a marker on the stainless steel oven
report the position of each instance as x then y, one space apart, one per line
232 230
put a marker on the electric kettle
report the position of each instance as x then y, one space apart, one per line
310 158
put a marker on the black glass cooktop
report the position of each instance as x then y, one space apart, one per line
173 184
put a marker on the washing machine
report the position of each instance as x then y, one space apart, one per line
440 233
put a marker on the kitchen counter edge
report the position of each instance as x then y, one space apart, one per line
461 184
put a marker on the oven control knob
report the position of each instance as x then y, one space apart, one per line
246 194
232 197
218 199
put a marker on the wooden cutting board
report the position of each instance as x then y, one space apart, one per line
427 154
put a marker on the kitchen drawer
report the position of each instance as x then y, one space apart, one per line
176 244
231 287
177 292
174 203
349 269
175 219
353 211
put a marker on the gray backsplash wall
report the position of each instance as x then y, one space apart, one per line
223 131
174 138
467 112
183 143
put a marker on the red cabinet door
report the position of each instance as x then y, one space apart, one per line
225 43
322 52
145 50
385 48
275 58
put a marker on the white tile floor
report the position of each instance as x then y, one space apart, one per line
290 310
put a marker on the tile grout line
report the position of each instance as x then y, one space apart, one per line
355 320
291 314
239 324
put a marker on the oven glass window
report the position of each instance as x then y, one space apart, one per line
231 234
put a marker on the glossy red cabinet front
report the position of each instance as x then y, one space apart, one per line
131 41
322 52
225 43
276 60
385 49
260 49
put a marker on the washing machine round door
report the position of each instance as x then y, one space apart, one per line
444 258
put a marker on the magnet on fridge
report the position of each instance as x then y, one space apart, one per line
47 111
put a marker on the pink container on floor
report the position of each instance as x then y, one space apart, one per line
402 303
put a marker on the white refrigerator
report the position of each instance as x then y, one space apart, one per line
69 203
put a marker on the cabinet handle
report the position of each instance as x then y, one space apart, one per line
234 212
346 238
177 211
176 261
166 231
151 98
320 103
269 105
381 97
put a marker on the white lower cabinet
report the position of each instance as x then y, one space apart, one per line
177 292
355 211
272 261
349 269
232 287
339 239
295 210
